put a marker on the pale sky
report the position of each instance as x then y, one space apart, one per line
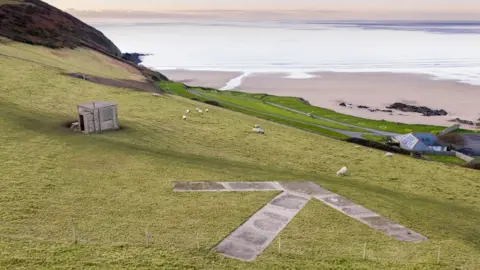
345 9
393 5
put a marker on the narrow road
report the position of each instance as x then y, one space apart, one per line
351 134
376 132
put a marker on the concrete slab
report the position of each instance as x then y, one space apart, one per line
358 211
252 186
289 201
377 222
371 218
251 238
308 188
337 201
237 250
198 186
255 235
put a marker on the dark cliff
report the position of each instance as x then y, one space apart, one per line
36 22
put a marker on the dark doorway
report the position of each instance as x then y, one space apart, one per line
82 123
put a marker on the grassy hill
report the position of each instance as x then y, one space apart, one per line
116 186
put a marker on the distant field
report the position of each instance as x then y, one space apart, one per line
116 186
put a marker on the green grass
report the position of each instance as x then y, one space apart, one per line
296 103
77 60
117 185
374 138
258 105
249 109
4 2
446 159
245 99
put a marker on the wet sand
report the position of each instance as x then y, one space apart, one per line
376 90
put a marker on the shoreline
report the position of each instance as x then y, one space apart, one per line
376 90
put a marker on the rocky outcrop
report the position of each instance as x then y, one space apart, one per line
152 75
378 110
343 104
136 58
36 22
461 121
417 109
304 101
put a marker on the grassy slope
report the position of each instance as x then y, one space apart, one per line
446 159
115 186
78 60
256 111
297 104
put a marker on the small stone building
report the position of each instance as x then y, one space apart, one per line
97 116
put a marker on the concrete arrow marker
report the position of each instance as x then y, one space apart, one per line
251 238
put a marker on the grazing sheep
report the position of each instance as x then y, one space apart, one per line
200 111
156 94
197 109
206 110
184 117
187 111
258 130
388 154
342 171
257 126
357 146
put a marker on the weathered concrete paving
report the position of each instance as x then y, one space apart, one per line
253 237
371 218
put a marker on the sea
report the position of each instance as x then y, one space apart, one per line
443 49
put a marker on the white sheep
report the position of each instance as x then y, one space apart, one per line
197 109
257 126
206 110
156 94
184 117
200 111
187 111
258 130
342 171
388 154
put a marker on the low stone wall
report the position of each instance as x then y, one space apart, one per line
468 159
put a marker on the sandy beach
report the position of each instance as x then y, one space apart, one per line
376 90
211 79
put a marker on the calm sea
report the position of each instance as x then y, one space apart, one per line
447 50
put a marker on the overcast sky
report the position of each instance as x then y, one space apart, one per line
429 7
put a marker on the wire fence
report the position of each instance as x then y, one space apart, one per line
430 256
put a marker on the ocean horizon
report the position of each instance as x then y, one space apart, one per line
447 50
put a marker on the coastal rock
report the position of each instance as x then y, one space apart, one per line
461 121
362 107
378 110
417 109
343 104
136 58
304 101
